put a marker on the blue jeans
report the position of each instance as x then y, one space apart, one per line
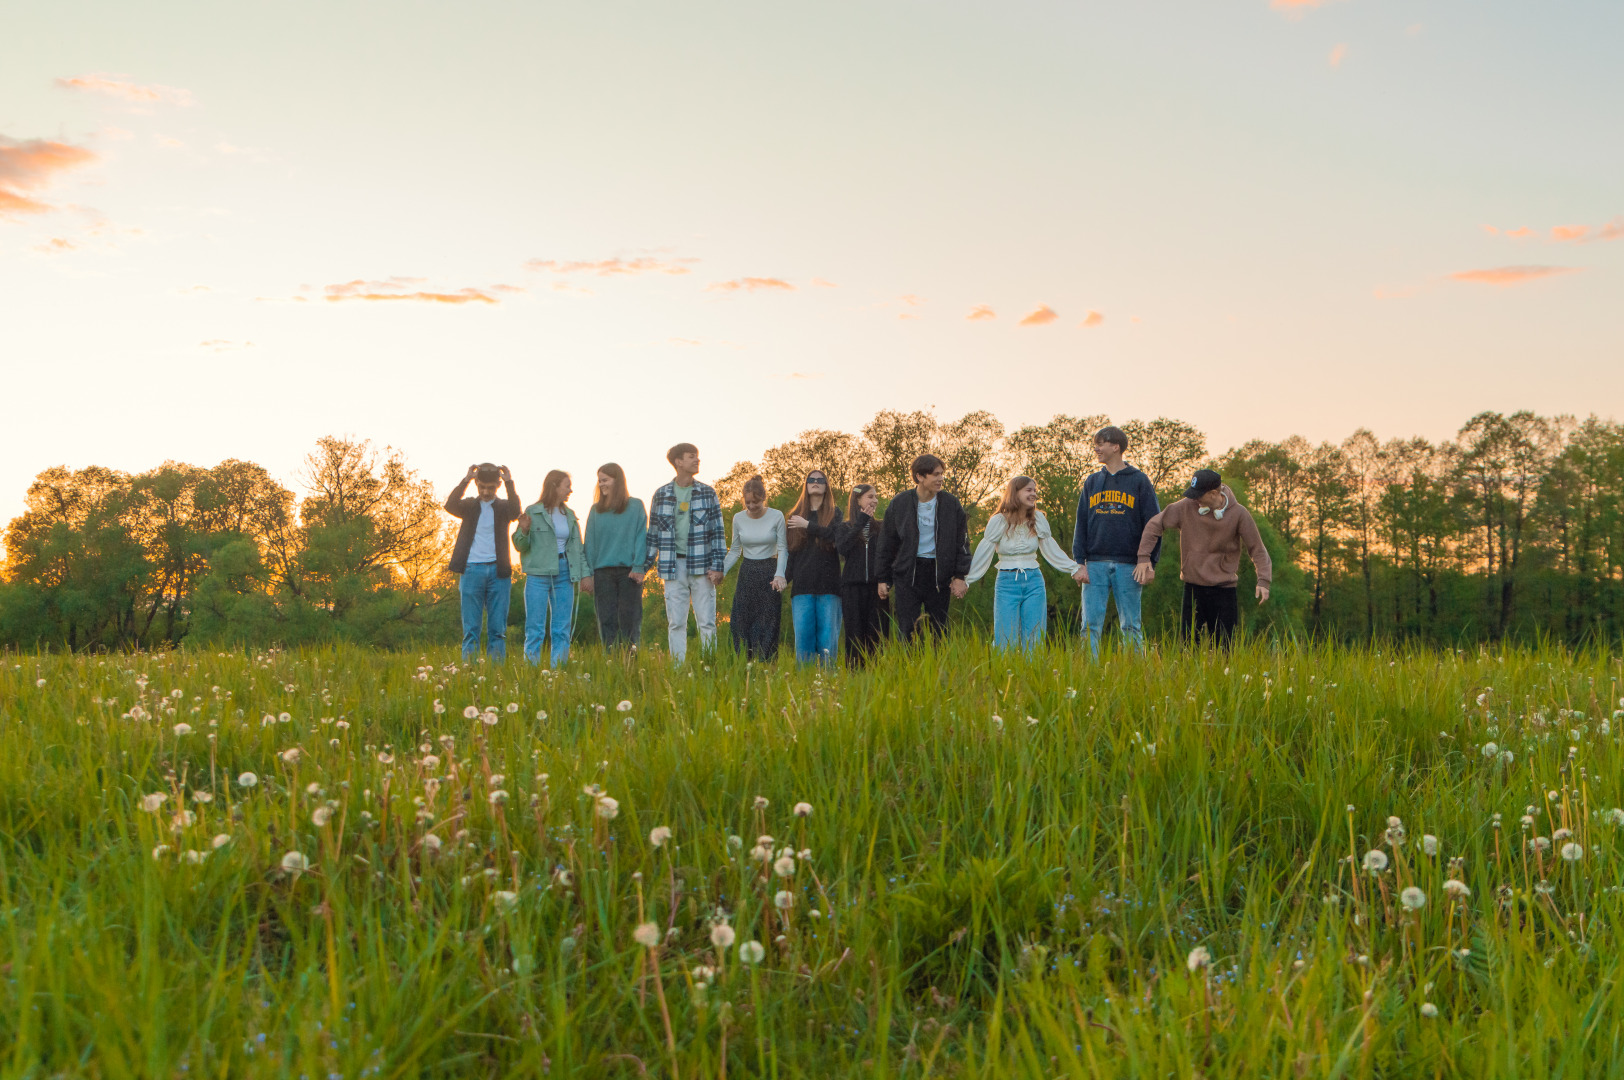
1104 580
541 593
1020 609
817 627
484 599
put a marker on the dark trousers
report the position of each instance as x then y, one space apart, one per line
921 592
757 618
860 607
1209 611
619 601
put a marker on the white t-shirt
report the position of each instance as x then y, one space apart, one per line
483 549
560 527
927 529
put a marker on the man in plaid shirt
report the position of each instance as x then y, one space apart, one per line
685 540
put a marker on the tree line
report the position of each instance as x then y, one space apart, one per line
1512 529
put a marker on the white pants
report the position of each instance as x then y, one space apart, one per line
681 590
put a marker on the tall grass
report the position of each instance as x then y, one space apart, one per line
1008 866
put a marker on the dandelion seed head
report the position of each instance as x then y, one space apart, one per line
1429 1010
1375 861
320 816
658 835
1458 889
1572 852
1413 898
783 900
803 809
624 706
752 952
151 803
647 935
722 936
295 863
785 867
1198 959
1429 844
247 779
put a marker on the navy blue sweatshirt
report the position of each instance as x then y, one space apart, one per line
1111 516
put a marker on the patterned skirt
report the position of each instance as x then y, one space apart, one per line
758 611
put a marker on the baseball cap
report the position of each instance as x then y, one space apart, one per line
1203 481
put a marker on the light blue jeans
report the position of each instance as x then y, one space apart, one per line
1020 609
542 593
484 600
817 627
1106 579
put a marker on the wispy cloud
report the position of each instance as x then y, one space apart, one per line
820 283
29 165
1296 7
56 245
750 284
1092 319
405 288
1042 316
980 312
912 300
616 267
113 86
1338 52
1511 275
1589 234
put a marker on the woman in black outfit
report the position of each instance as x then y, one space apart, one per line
814 571
858 539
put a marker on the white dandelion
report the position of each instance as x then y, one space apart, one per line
1413 898
1375 861
751 952
247 779
722 936
658 835
647 935
1199 958
295 863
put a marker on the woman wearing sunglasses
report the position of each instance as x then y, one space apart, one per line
814 572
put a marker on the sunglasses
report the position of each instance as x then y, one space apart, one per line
816 480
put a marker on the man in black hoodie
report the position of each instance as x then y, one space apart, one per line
924 549
1112 511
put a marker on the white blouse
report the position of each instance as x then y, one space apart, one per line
759 538
1017 548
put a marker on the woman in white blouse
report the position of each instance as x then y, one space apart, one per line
1016 534
760 547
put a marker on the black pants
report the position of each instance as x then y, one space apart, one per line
757 618
1209 610
921 591
619 601
860 607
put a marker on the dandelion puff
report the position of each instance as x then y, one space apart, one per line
320 816
439 706
1413 898
194 858
658 835
295 863
40 683
1199 958
489 718
541 714
505 900
1429 844
150 803
803 809
247 779
785 867
783 900
1507 757
471 713
722 936
385 758
1375 861
182 728
1490 749
608 808
512 706
1614 817
624 706
647 935
1429 1010
1572 852
1458 889
497 797
751 952
291 755
761 803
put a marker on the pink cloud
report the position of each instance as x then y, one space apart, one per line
1042 316
29 165
1337 54
1092 319
1510 275
750 284
913 301
56 246
820 283
128 91
400 288
980 312
616 267
1589 234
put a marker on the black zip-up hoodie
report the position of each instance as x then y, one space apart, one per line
1111 516
862 555
899 539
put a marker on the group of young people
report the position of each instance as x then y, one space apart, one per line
848 570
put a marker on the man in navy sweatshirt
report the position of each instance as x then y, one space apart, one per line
1112 511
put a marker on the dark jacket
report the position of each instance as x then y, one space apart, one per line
1112 513
862 556
814 569
899 539
467 510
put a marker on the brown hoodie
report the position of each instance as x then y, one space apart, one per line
1209 549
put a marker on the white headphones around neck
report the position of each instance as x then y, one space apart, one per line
1218 514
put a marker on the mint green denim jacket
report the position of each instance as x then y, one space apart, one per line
538 546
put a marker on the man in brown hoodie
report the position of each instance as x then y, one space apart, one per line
1212 526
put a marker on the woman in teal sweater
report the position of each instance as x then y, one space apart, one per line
616 531
550 553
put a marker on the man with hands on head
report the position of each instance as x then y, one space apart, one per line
1212 527
481 556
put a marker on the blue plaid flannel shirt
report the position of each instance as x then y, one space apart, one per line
707 544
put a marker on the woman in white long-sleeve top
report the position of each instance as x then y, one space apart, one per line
1016 534
761 546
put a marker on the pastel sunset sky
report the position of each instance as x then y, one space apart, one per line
558 234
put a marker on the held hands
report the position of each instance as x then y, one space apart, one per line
1144 573
637 575
587 584
713 576
884 589
1080 575
958 588
1263 594
779 584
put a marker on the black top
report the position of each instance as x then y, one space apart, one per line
507 512
1111 516
859 542
814 567
899 539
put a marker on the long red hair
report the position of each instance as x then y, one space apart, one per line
823 516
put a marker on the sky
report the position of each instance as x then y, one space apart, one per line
552 235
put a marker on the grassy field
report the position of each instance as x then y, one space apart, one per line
343 863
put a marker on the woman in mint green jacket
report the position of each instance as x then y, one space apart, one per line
550 553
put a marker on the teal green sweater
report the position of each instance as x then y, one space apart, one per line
617 539
538 546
